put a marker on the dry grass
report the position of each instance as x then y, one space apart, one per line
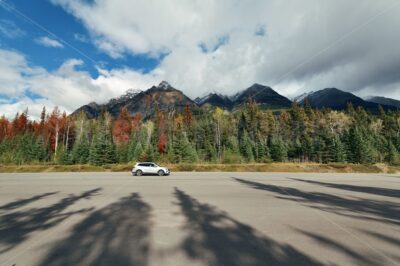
268 167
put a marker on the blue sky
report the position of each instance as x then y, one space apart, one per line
56 20
72 52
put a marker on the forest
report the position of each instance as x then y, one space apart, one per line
247 135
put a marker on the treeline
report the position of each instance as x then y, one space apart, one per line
300 134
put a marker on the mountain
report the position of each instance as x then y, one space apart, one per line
301 97
166 98
263 95
384 101
214 100
337 99
91 110
162 97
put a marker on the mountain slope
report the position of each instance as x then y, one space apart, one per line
162 97
263 95
337 99
384 101
215 100
302 96
91 110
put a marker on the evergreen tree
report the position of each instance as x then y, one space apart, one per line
65 157
122 153
138 151
102 148
261 151
80 151
359 150
307 148
338 150
278 149
246 147
393 157
298 134
183 150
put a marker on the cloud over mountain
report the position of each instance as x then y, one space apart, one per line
66 87
216 45
303 45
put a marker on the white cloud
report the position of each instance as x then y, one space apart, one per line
34 107
81 38
13 72
67 87
49 42
10 30
308 44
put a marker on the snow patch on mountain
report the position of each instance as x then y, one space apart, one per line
302 96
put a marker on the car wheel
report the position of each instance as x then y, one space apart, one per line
160 172
139 173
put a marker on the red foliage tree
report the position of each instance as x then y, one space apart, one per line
187 116
162 142
122 127
5 128
20 123
136 122
162 137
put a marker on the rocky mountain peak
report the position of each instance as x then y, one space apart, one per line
164 85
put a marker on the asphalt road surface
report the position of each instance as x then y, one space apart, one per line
199 219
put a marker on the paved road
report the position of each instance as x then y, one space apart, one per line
199 219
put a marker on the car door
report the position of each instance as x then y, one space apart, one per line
144 168
152 168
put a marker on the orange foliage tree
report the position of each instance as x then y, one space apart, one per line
162 137
188 115
122 127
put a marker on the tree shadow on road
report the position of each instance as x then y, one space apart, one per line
22 202
215 238
376 210
393 240
118 234
358 258
388 192
17 226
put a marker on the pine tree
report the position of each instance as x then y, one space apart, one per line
278 149
138 151
65 157
184 150
102 149
80 151
262 152
338 150
392 157
122 153
110 153
359 150
246 147
307 148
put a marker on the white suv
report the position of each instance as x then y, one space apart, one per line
149 168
